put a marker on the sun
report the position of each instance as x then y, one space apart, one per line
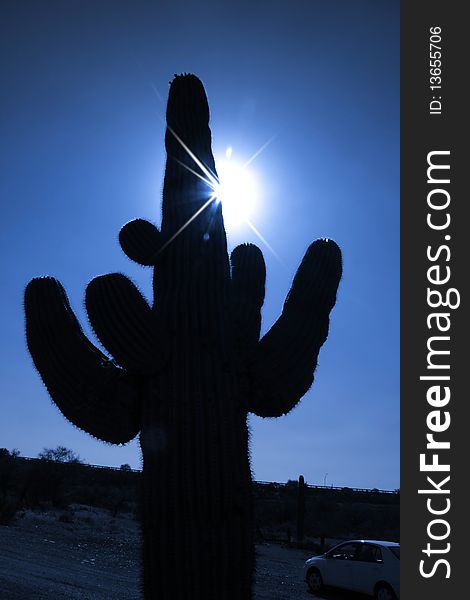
237 190
235 187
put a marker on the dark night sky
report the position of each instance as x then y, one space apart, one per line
82 153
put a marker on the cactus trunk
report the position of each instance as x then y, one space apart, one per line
186 371
197 543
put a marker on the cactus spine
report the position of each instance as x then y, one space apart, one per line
186 371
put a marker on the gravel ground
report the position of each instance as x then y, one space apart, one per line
87 555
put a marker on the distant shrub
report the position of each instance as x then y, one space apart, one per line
59 454
11 488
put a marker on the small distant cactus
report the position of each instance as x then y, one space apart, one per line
300 510
186 372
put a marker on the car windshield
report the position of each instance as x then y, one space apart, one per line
395 550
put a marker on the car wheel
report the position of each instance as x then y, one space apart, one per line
314 580
384 592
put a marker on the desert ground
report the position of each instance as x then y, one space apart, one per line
84 553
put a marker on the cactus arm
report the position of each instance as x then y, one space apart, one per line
124 322
282 366
247 295
140 241
87 387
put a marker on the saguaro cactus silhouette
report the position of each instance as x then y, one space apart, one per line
186 371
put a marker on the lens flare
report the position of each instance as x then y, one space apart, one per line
235 187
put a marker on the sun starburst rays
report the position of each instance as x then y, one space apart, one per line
204 168
214 185
188 222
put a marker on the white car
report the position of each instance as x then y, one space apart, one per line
367 566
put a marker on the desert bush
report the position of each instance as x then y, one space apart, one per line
59 454
11 488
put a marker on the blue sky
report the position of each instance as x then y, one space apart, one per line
82 153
